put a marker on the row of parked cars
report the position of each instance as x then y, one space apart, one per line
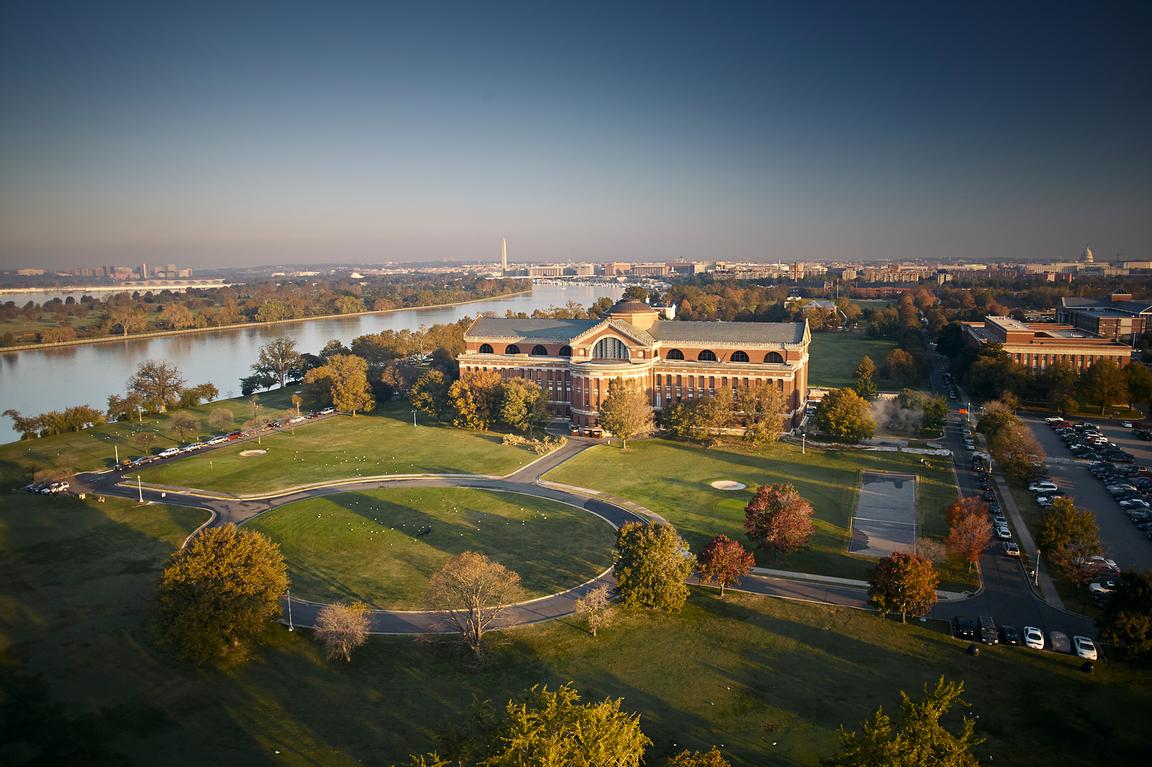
219 439
48 488
1085 440
984 629
1000 529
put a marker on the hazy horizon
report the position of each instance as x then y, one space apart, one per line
272 133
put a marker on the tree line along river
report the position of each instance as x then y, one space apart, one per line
38 380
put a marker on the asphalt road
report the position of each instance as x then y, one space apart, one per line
1007 595
1122 540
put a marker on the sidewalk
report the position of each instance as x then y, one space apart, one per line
944 596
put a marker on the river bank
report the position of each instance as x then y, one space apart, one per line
234 326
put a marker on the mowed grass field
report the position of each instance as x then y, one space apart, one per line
835 355
342 447
771 680
674 479
97 448
368 546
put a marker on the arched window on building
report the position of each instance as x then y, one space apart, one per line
773 357
511 349
739 356
706 356
610 349
485 348
539 350
565 351
674 354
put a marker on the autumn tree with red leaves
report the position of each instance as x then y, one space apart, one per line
904 583
969 533
724 562
778 518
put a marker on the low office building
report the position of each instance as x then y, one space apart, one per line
574 361
1040 345
1117 316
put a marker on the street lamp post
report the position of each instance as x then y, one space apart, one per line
290 626
1036 572
139 414
413 418
803 442
140 488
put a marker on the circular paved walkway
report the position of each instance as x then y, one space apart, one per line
303 612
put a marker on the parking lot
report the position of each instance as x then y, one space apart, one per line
1122 540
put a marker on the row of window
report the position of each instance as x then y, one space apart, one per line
614 349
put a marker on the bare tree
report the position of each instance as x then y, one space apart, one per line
596 608
279 359
341 628
185 424
472 590
221 419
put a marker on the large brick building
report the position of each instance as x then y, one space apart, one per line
1040 345
575 360
1117 316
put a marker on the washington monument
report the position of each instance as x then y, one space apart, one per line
504 255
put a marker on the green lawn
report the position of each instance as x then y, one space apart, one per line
97 447
674 479
835 355
341 448
81 682
365 547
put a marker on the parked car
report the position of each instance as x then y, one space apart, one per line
1003 533
296 419
327 411
1033 638
1043 501
988 631
169 452
220 440
1011 549
55 488
963 628
1126 424
1009 635
1040 487
1106 586
1084 648
1058 641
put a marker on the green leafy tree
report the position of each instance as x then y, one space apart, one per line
917 738
27 426
476 399
346 376
1139 381
710 758
724 562
158 384
761 407
651 564
864 385
904 583
278 360
901 367
846 415
1061 384
554 729
128 318
625 412
1104 382
430 396
523 404
219 594
1066 534
1128 616
778 518
274 310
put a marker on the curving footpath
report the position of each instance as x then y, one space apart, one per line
527 481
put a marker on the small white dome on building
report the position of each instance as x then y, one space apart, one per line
1087 256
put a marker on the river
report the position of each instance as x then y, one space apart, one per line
51 379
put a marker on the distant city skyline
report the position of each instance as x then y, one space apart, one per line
242 134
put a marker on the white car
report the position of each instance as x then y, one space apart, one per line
217 440
169 452
296 419
1042 487
1011 549
1033 637
1003 533
1084 648
1054 419
1102 587
1126 424
1043 502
